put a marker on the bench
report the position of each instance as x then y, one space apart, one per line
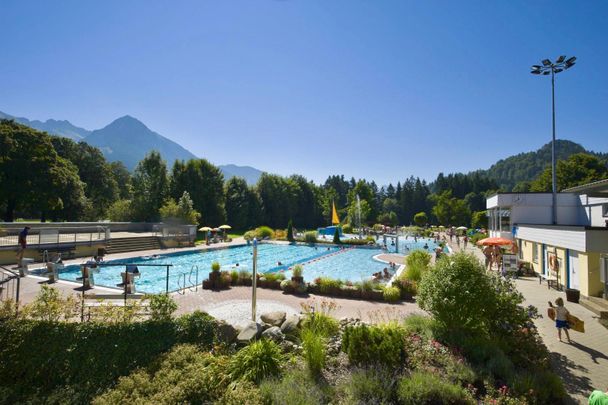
93 301
549 278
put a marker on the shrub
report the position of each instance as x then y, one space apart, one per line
374 385
317 317
337 236
314 351
73 362
417 263
406 286
249 235
280 234
197 328
347 228
328 285
310 237
244 275
184 375
242 392
162 307
50 306
391 294
428 388
297 270
234 277
421 325
295 388
215 266
369 345
458 293
258 360
290 232
264 232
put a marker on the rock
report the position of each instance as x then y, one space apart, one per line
266 326
274 334
287 346
250 332
275 318
227 333
290 325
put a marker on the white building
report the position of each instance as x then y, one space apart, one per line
577 245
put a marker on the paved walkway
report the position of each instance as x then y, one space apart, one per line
582 365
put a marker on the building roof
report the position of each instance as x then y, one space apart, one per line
600 186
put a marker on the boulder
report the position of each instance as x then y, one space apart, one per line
250 332
275 318
274 334
226 333
290 325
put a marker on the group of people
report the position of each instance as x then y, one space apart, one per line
385 274
493 255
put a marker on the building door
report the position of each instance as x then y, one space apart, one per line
573 270
545 260
604 274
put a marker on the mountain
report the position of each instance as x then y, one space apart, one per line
250 174
527 166
128 140
62 128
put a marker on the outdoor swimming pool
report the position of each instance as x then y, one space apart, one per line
350 264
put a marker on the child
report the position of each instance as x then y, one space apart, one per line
561 318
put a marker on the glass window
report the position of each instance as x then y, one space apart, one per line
505 220
605 210
535 253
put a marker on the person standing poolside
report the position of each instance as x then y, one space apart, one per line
22 244
487 252
465 241
598 397
561 318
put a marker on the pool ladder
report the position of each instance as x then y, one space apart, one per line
192 286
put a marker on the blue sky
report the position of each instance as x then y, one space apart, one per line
374 89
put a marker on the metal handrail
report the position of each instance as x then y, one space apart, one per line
190 277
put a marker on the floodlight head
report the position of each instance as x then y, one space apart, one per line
536 72
536 67
558 70
561 59
569 65
546 62
546 72
571 60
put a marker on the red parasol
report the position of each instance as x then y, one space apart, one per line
494 242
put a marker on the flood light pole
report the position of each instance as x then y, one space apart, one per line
552 68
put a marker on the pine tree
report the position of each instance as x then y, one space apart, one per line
337 236
290 231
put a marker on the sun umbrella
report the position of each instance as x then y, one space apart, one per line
216 229
494 241
462 228
225 227
205 229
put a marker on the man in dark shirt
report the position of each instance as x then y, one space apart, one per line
22 244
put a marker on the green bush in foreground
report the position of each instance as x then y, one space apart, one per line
296 387
416 264
162 307
374 385
371 345
184 375
258 360
427 388
310 237
314 351
264 232
391 294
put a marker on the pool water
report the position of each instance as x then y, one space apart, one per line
410 244
349 264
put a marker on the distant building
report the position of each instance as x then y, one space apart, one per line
575 250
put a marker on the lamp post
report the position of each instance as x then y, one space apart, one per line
254 279
552 68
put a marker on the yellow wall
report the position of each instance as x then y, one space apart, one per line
591 285
10 256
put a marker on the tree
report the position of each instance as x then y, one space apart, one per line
353 213
150 187
205 183
181 212
450 210
32 176
290 232
121 211
421 219
479 219
578 169
93 169
123 179
337 236
242 204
